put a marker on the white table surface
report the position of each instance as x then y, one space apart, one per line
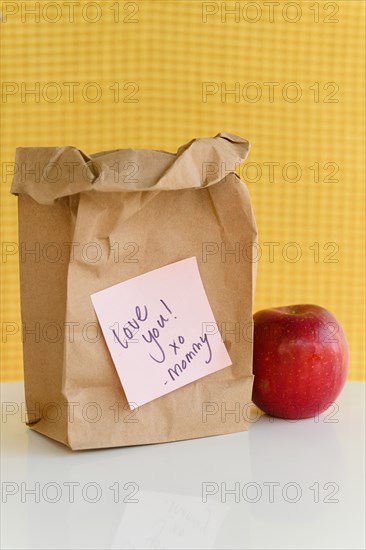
274 463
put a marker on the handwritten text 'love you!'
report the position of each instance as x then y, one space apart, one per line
154 326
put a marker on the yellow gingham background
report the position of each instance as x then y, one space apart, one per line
169 51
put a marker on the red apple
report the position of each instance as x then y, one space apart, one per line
300 360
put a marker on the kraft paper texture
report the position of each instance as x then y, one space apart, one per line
97 220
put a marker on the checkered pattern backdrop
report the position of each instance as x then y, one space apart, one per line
155 74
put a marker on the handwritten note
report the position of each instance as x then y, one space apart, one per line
160 331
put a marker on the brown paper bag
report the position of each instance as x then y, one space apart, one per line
87 222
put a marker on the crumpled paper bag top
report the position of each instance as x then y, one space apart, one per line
49 173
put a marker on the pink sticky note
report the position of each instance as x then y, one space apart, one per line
160 331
